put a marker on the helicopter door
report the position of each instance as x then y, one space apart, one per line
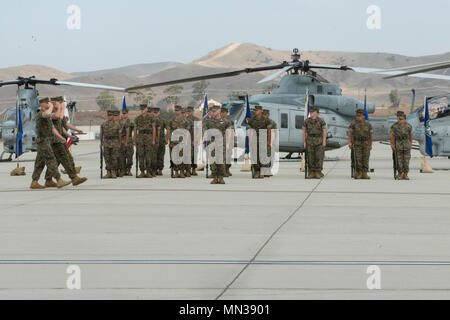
283 127
296 119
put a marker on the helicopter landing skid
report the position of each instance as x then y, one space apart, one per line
7 159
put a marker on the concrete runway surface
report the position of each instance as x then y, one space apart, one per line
278 238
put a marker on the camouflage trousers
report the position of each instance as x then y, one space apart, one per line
63 156
315 155
160 153
126 157
145 152
111 155
403 158
256 159
45 157
176 167
362 155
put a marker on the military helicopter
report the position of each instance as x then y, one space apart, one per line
287 102
28 102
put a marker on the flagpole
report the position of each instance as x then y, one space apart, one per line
17 132
426 168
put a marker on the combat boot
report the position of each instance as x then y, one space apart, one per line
181 175
405 176
176 174
312 175
113 174
78 169
194 172
226 175
159 173
142 175
108 175
77 180
61 183
129 174
358 175
153 172
365 176
215 181
148 174
35 185
220 180
320 174
50 183
120 173
229 172
258 175
187 174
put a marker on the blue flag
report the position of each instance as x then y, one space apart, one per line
428 140
205 111
248 116
366 114
19 131
124 104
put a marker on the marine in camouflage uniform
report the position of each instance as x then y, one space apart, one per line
45 155
258 123
161 127
111 137
144 135
179 122
266 113
193 121
60 150
360 137
217 166
126 151
401 139
153 147
314 138
229 141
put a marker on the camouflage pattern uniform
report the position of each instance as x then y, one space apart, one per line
126 153
361 132
217 169
45 155
61 152
314 139
402 136
258 124
175 124
111 131
161 126
144 142
191 123
228 153
153 148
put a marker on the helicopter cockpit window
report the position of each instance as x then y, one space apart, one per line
438 108
284 120
299 122
319 89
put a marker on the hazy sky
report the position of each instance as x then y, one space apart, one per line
116 33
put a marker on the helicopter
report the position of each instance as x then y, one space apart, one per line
286 103
28 103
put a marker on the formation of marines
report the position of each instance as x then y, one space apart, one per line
150 134
53 130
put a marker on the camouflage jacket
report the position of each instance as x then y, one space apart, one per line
361 132
161 126
111 131
127 125
219 124
180 123
44 128
144 125
58 124
259 124
402 136
314 131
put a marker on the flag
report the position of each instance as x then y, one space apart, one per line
428 141
307 105
124 104
248 115
19 131
205 107
366 113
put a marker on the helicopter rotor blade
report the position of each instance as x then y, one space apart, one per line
209 76
88 85
393 74
329 66
9 82
275 74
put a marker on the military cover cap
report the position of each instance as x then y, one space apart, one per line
400 113
223 109
314 109
124 111
178 108
183 110
360 112
110 112
156 109
258 107
116 112
57 99
143 106
44 100
265 111
214 108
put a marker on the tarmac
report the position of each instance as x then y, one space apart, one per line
279 238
